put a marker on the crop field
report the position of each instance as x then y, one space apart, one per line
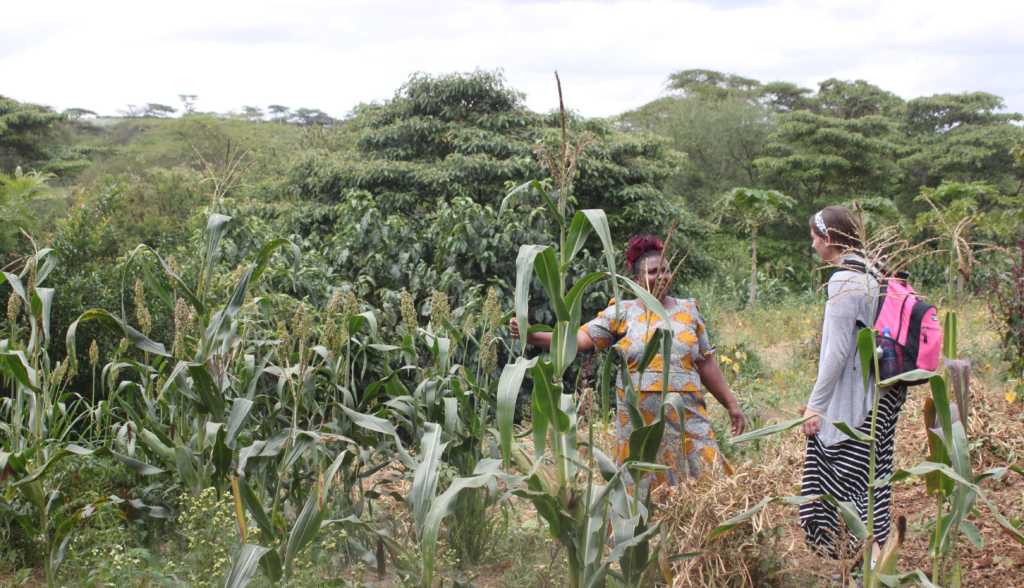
281 352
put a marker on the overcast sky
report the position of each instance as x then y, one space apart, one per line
612 56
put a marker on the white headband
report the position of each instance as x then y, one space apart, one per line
820 223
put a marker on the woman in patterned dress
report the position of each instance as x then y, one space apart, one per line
688 449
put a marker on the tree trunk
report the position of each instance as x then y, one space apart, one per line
752 299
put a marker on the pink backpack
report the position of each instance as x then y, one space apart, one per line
909 335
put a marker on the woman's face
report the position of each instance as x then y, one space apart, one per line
825 251
654 274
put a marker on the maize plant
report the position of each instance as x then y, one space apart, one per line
580 496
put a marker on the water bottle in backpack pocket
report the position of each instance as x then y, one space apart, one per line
890 356
909 336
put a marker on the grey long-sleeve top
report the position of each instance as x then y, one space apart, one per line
838 393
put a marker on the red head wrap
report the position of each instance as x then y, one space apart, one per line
640 245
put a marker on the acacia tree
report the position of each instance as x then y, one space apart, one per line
252 113
308 117
857 99
721 136
279 112
157 110
785 97
131 111
188 102
78 113
751 209
712 84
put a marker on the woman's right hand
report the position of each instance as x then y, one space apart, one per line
543 340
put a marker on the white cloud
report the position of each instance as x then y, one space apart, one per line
612 56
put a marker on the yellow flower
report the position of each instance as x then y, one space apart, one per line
1011 395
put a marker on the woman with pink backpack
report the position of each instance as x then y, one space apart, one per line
834 463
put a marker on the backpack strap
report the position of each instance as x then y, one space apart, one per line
855 265
860 267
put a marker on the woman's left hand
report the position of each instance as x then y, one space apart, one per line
812 426
739 420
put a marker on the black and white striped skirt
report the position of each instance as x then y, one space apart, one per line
842 472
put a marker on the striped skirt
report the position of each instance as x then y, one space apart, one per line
842 472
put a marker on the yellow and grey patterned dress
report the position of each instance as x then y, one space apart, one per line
629 332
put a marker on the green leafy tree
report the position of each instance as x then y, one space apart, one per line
446 146
819 157
17 191
945 112
25 133
785 97
720 136
711 84
961 137
857 99
751 209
